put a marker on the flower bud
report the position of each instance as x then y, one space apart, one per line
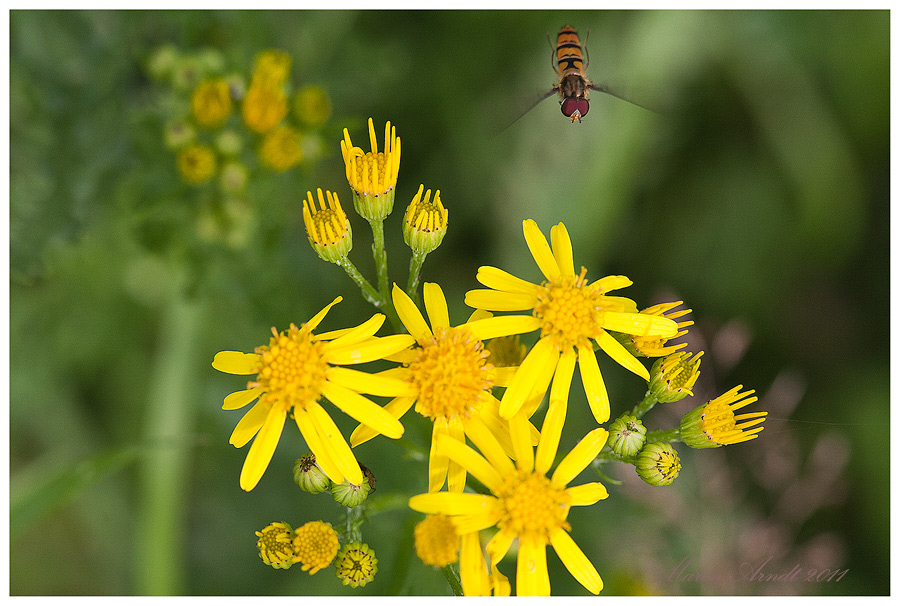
275 547
309 476
353 495
673 377
714 424
356 564
627 436
425 223
658 464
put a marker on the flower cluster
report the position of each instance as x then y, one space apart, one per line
495 469
228 128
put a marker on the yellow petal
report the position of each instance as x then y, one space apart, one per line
498 279
489 415
239 399
531 567
642 325
497 300
452 503
594 388
575 560
551 430
438 462
617 352
456 473
472 572
249 424
469 523
359 333
474 463
586 494
488 444
520 432
479 314
580 457
499 545
375 348
397 407
324 459
362 409
608 283
377 384
236 362
541 357
435 305
410 315
504 374
502 326
337 446
562 249
316 319
262 449
540 250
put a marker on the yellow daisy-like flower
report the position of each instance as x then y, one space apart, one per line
570 312
450 379
211 102
315 546
264 107
294 371
655 346
714 424
281 148
373 175
197 163
275 546
523 503
356 565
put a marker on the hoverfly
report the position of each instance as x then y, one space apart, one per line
572 84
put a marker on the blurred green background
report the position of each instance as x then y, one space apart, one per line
758 194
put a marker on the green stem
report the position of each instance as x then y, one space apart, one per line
667 435
161 522
415 267
645 405
380 255
452 579
369 293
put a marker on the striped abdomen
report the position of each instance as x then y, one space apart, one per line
568 52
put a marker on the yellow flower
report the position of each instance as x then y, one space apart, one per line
356 565
281 149
264 107
294 372
315 545
272 68
197 163
211 102
523 502
655 346
570 312
373 175
450 379
436 541
714 424
275 546
312 106
327 227
672 378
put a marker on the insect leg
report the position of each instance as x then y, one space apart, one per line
552 55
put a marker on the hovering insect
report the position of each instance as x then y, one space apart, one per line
572 84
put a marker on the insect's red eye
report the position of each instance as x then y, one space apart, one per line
583 106
569 105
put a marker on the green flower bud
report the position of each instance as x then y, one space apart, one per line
309 476
229 143
658 464
352 495
627 436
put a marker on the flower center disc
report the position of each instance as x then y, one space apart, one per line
451 374
531 504
292 368
571 312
